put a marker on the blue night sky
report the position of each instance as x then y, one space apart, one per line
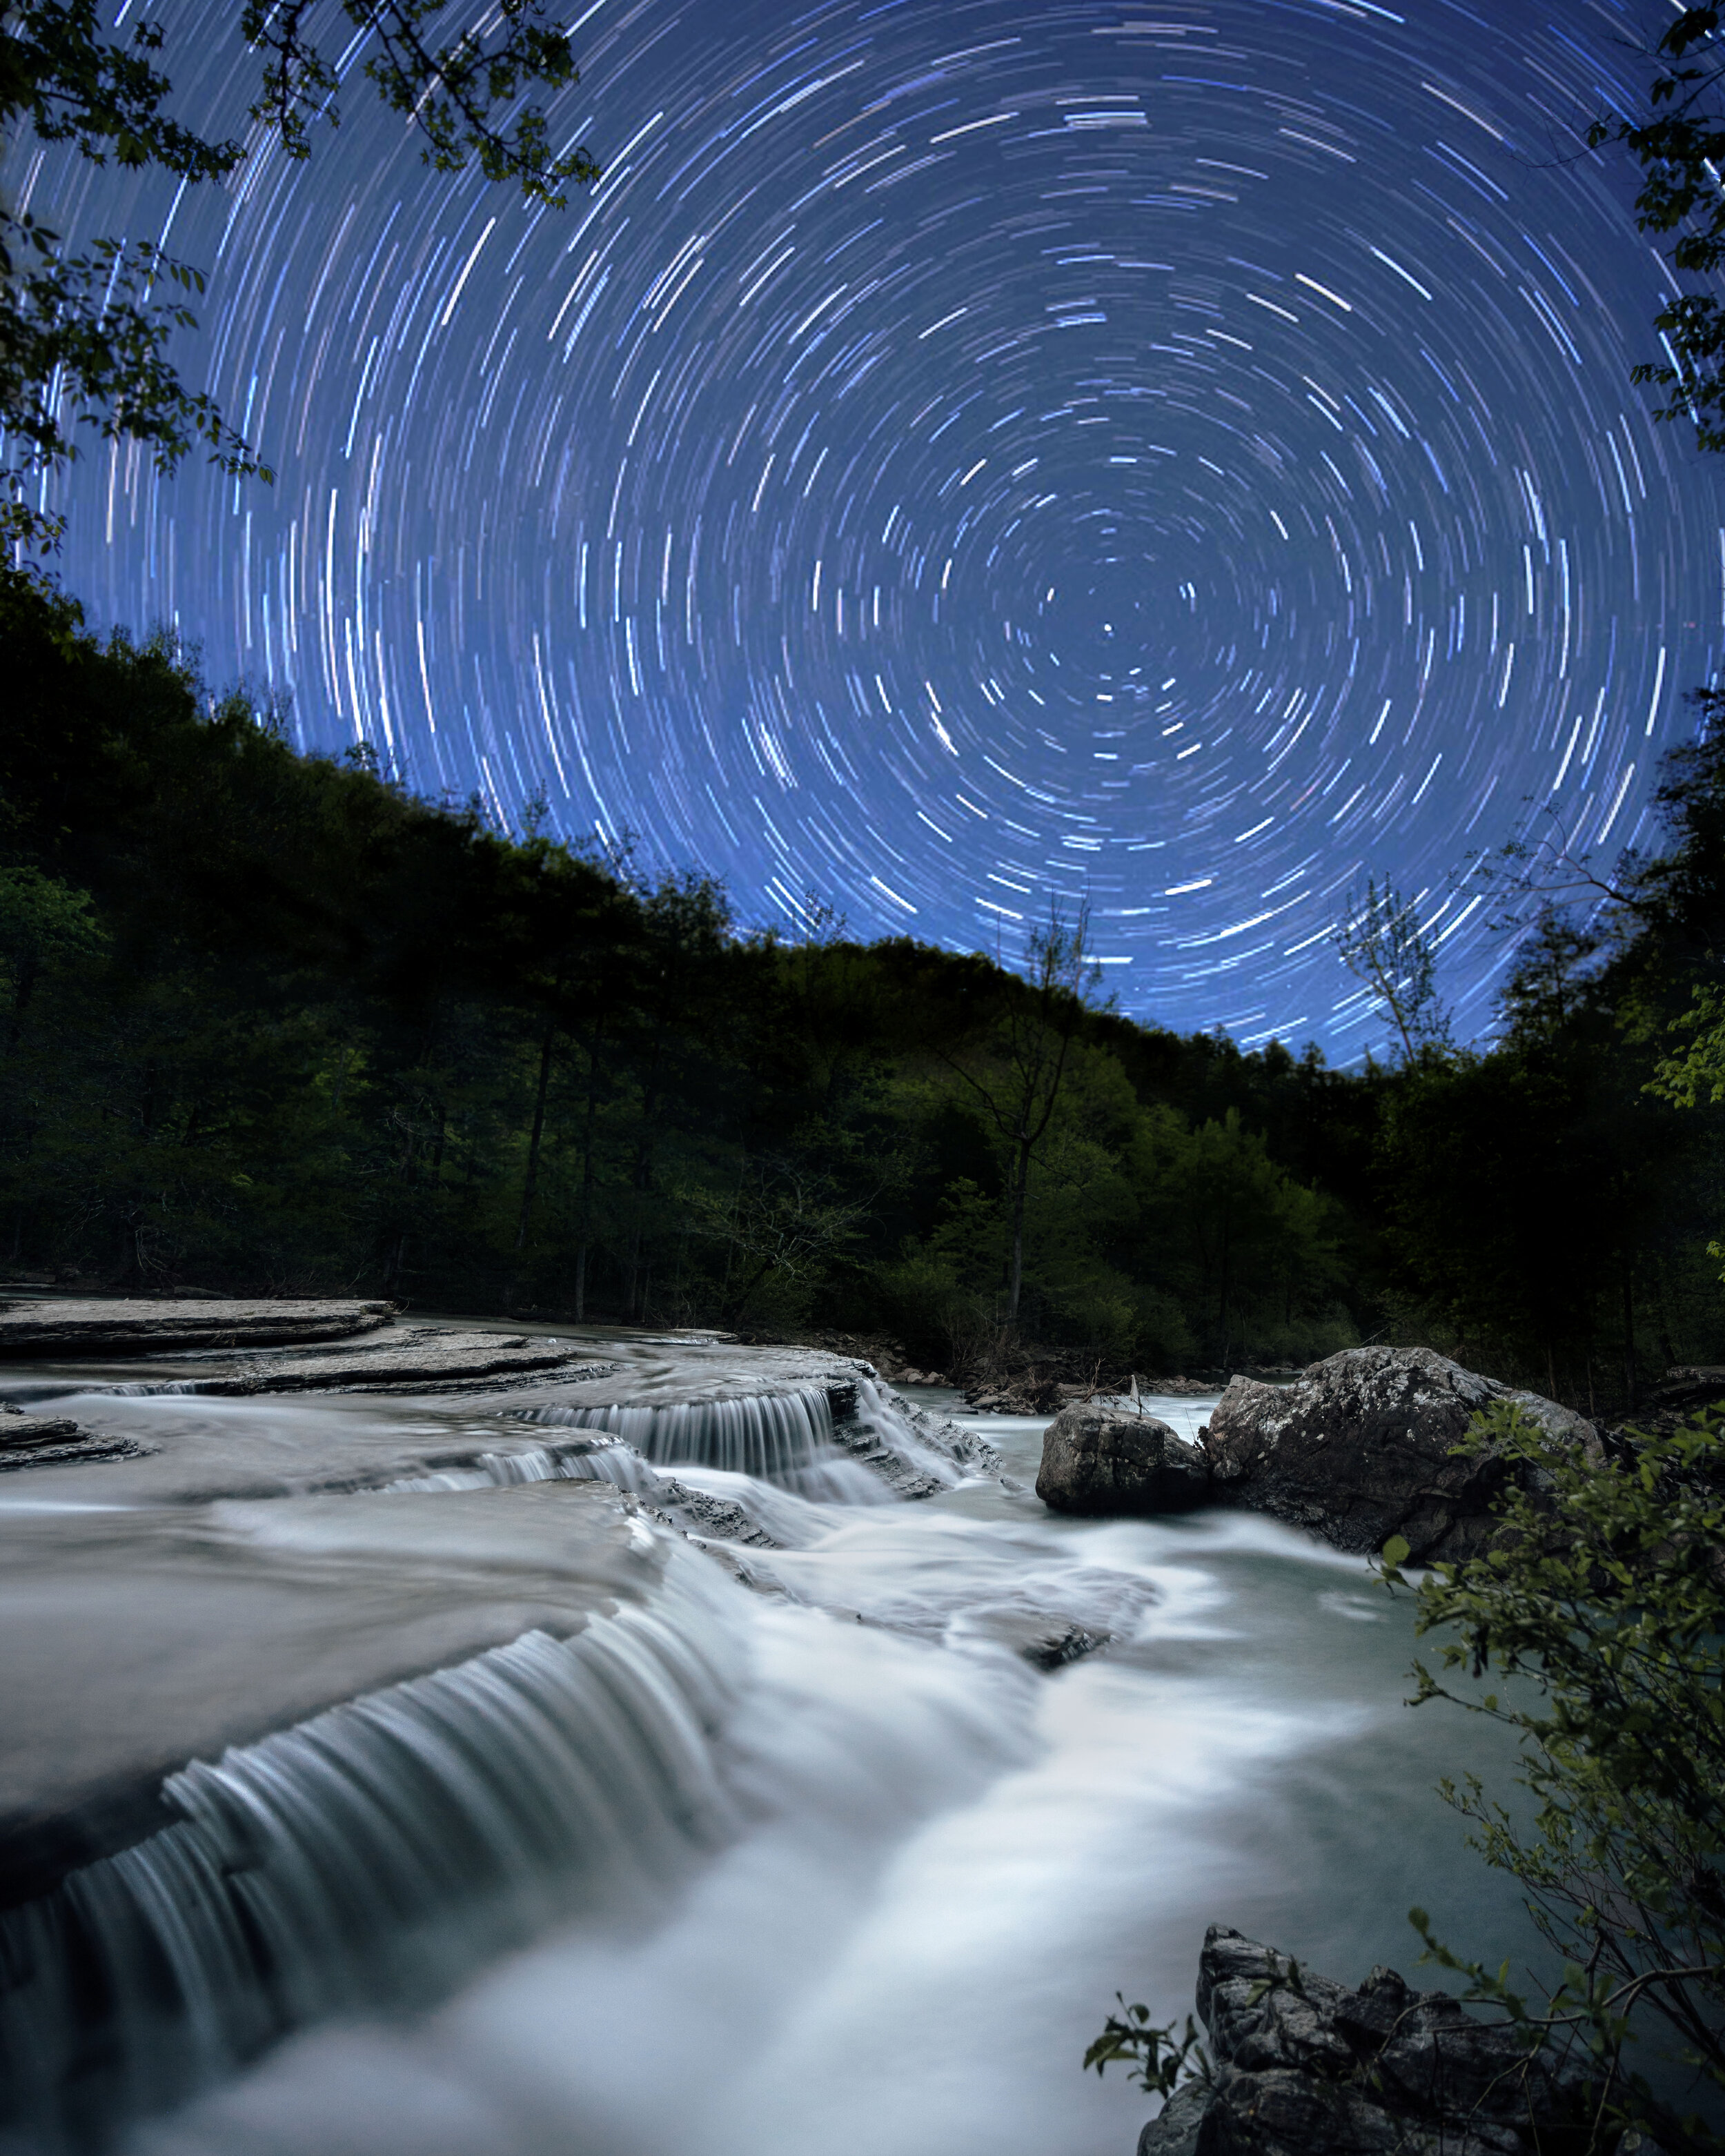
965 454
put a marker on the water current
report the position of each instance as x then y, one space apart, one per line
874 1875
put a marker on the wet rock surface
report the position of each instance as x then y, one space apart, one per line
1306 2067
32 1440
19 1432
1100 1459
403 1358
179 1632
214 1548
117 1328
1359 1449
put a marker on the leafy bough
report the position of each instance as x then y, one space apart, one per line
1603 1604
1157 2062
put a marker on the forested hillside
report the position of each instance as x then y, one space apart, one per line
268 1022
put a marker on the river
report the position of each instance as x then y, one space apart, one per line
884 1911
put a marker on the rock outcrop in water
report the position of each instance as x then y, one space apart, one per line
1304 2066
44 1329
1359 1449
1100 1459
32 1441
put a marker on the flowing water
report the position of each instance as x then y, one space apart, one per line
837 1839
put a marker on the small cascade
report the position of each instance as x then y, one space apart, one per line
785 1438
373 1855
912 1450
592 1462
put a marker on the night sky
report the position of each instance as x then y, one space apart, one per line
966 453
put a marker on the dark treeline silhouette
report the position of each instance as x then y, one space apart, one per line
268 1023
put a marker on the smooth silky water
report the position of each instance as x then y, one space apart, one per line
867 1880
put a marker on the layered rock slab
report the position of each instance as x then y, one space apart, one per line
1362 1448
46 1330
137 1640
30 1440
403 1358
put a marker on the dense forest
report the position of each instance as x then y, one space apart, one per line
269 1022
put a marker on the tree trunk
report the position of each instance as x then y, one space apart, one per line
1629 1335
587 1174
1020 1188
531 1180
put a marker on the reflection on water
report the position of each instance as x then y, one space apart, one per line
940 1863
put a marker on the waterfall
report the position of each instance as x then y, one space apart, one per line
785 1438
944 1451
374 1854
603 1462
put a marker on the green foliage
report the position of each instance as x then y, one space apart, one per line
1547 1204
449 92
1600 1616
1251 1254
1158 2063
1679 144
1693 1076
67 83
267 1020
83 338
83 344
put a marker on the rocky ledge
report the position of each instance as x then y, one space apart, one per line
418 1358
1360 1448
44 1329
1303 2066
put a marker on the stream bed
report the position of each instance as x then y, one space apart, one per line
869 1873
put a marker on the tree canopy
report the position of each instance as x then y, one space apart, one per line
1679 141
83 337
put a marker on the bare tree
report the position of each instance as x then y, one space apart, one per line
1382 944
1025 1063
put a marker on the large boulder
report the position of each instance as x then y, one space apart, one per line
1304 2066
1362 1448
1102 1459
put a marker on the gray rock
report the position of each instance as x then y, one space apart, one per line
1285 2112
1361 1450
1263 2009
35 1441
1174 2131
1099 1460
1303 2066
700 1513
62 1329
19 1432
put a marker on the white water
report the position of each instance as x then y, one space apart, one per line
936 1864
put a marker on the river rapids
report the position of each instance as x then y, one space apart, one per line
759 1808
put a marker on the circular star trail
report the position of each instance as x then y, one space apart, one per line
968 456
